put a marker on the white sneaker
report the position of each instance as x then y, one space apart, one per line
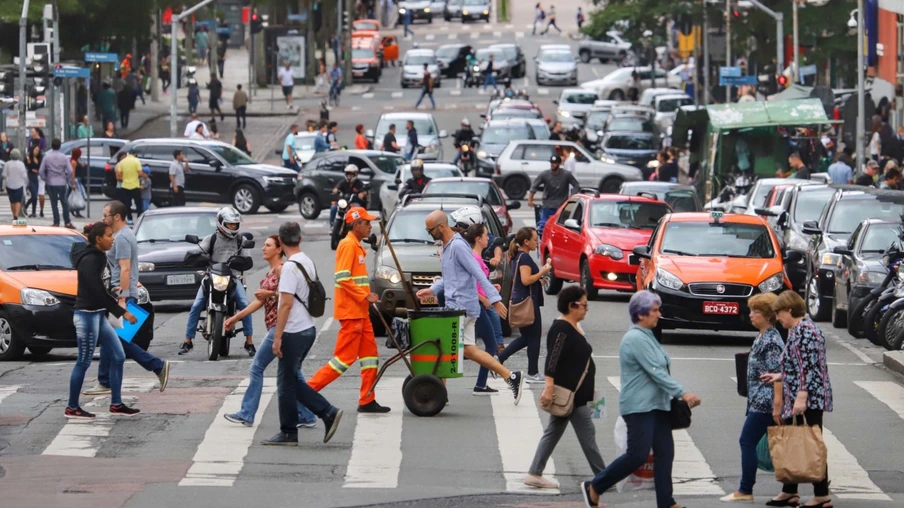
737 497
540 482
535 379
97 389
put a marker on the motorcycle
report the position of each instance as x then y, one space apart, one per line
339 228
468 160
862 314
219 283
883 308
472 76
735 187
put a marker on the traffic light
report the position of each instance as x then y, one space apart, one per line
766 84
346 22
736 14
257 24
783 81
57 81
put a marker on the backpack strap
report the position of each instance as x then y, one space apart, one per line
307 279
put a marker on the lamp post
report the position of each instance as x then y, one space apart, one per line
861 86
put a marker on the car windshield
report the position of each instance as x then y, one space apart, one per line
849 213
361 25
762 190
626 215
511 52
541 130
423 126
718 240
580 98
232 155
408 226
596 119
484 54
880 237
810 205
173 227
362 53
672 105
556 56
504 113
501 135
36 252
476 2
304 143
448 51
485 189
420 59
682 200
388 164
631 124
630 142
432 172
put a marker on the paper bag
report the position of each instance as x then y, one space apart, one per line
798 452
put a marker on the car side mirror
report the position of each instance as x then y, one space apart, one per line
372 240
499 242
642 251
192 239
443 134
513 205
844 251
765 212
393 186
793 256
483 116
509 239
555 101
572 224
369 133
810 228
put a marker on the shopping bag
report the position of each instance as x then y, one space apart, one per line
598 407
400 332
763 457
77 199
798 452
642 479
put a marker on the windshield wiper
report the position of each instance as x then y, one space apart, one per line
609 225
411 240
679 252
156 240
39 267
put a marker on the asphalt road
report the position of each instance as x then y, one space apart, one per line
180 451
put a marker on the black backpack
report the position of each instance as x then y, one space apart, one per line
316 305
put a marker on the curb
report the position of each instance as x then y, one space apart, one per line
894 361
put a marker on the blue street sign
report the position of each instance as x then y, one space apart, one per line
301 16
737 80
807 70
102 57
729 72
71 72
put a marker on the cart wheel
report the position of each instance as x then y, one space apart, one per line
425 395
405 382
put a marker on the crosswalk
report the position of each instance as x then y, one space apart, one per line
381 446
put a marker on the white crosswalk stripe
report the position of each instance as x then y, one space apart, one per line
6 391
889 393
376 458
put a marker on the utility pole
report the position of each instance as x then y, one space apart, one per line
861 89
155 57
727 46
706 88
49 89
23 45
345 42
779 35
795 72
55 93
174 68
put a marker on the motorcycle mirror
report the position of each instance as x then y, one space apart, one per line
247 236
247 244
499 242
192 239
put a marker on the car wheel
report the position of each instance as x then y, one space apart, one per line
277 208
246 199
515 187
855 317
817 305
839 317
585 56
39 351
430 21
617 95
309 205
447 18
587 280
11 345
604 60
611 185
553 284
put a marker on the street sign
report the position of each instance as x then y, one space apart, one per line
71 72
807 70
102 57
737 80
729 72
300 17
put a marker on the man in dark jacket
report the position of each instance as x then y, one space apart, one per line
216 91
125 99
417 182
463 135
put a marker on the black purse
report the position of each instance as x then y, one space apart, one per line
741 360
680 414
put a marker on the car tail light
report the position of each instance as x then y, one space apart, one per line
498 169
108 167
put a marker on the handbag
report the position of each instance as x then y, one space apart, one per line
563 399
741 360
521 314
763 457
799 453
680 414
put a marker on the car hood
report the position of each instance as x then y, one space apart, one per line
720 269
418 70
497 64
163 252
624 239
628 153
492 149
581 108
56 281
873 263
268 170
414 258
557 66
422 139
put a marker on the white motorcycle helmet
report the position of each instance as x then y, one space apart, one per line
467 215
226 216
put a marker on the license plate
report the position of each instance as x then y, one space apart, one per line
430 300
179 280
730 308
358 73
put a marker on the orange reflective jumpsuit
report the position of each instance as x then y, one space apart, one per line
356 334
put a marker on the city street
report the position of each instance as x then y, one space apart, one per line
180 451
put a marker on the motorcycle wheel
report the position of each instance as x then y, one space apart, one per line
855 317
890 328
215 343
870 321
336 234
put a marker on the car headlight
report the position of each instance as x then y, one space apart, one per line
30 296
668 280
798 242
604 249
773 283
403 10
871 278
607 160
566 114
145 267
464 12
486 13
427 10
388 273
482 154
220 282
143 295
830 258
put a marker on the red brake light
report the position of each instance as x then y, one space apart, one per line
107 167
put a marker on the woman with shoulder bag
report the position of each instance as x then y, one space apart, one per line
647 391
764 357
526 287
806 389
570 371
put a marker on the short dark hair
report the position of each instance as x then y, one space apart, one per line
410 122
473 232
117 208
177 153
893 174
794 155
331 125
55 144
290 234
95 231
568 296
391 126
238 87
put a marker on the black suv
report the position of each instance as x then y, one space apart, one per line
453 59
514 54
218 173
845 211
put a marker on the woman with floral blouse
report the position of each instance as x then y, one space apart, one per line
765 355
806 389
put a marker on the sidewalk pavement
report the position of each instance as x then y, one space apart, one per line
894 361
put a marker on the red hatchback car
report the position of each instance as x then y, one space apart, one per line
483 187
591 238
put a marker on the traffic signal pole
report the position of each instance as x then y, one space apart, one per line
779 35
23 28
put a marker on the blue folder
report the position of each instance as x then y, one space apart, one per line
128 331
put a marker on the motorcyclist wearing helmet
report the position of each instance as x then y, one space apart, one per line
464 217
470 63
351 185
463 135
221 246
418 180
557 187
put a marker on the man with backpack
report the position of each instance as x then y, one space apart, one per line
539 16
427 83
353 297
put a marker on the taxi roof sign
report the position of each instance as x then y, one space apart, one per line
20 223
716 215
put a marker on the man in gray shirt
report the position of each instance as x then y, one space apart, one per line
557 185
177 171
56 172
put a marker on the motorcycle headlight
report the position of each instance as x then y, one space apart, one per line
830 258
773 283
566 114
465 148
39 297
342 203
668 280
146 267
871 278
464 12
143 295
220 282
482 154
476 68
403 10
604 249
388 273
191 69
798 242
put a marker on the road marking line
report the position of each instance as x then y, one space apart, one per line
221 454
529 27
452 37
594 71
466 28
690 472
530 223
517 429
376 457
543 91
475 35
6 391
488 27
388 108
356 108
429 37
397 95
526 82
480 106
889 393
451 106
837 364
81 438
497 34
327 323
519 35
509 26
853 349
368 95
455 92
849 479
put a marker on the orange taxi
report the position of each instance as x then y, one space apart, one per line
704 267
372 25
38 286
366 61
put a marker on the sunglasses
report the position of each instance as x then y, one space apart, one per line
430 230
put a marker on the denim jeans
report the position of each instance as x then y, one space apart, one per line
241 300
754 429
428 94
132 351
484 329
530 338
545 214
293 165
334 208
91 328
291 390
58 194
645 431
252 398
497 325
488 80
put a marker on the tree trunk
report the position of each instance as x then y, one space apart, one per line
155 57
